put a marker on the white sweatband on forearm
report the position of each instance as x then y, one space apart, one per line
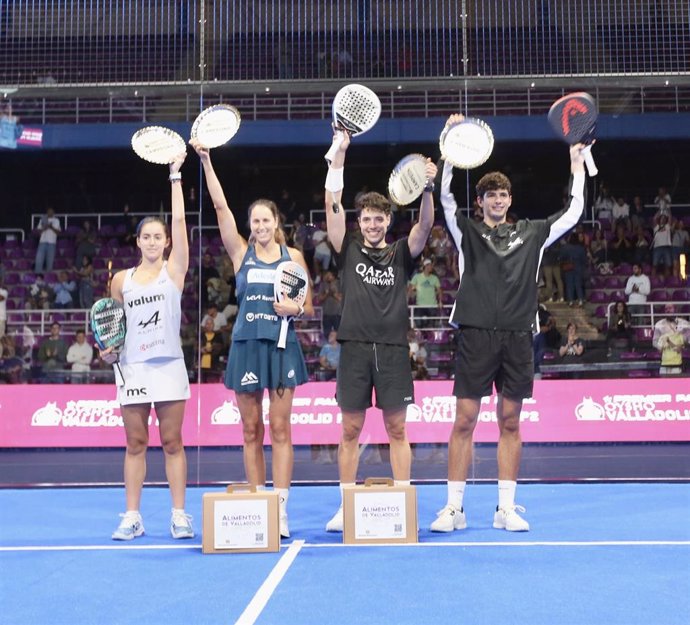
334 179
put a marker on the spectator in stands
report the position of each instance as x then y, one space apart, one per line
662 201
638 214
52 354
206 270
323 253
329 357
603 205
662 256
40 294
572 346
211 349
49 228
598 248
418 355
574 265
640 246
621 213
64 290
620 332
621 248
131 223
441 245
4 294
287 206
548 337
671 334
551 268
302 235
80 355
8 346
680 242
329 296
85 242
11 365
637 288
220 322
424 289
86 283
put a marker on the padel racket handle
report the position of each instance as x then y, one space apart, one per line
282 337
589 161
337 141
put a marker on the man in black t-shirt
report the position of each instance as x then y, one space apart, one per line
373 327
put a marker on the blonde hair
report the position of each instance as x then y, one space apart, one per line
270 205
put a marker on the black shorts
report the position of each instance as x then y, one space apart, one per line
367 366
484 358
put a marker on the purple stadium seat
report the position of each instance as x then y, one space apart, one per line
598 297
658 295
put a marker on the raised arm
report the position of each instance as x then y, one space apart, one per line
562 222
420 231
233 241
178 262
335 214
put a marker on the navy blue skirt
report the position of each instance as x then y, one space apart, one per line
259 364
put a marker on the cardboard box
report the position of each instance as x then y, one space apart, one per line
240 520
379 512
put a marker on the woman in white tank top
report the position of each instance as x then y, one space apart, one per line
152 364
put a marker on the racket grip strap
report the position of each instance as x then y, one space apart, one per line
337 140
589 161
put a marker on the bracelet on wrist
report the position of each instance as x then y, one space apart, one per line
176 177
429 187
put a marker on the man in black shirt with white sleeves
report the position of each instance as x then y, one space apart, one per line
495 311
374 321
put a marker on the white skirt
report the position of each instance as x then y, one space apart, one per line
153 381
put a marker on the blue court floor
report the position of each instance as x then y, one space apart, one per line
596 554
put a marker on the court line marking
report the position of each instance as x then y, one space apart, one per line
260 599
303 544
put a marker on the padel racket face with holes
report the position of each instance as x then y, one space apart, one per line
291 281
157 144
356 108
407 180
108 323
216 125
466 144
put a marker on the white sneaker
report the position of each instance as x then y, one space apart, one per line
449 519
130 527
181 525
284 529
508 519
336 523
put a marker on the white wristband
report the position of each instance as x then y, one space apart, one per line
334 180
175 177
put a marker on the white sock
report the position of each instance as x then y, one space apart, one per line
132 513
401 482
283 494
506 493
343 484
178 510
260 487
456 492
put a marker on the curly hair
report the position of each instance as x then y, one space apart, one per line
493 181
374 201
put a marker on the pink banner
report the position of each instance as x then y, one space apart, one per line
561 411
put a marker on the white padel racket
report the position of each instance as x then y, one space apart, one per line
216 125
355 109
467 144
408 179
291 281
157 144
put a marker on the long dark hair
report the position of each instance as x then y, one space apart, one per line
270 205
